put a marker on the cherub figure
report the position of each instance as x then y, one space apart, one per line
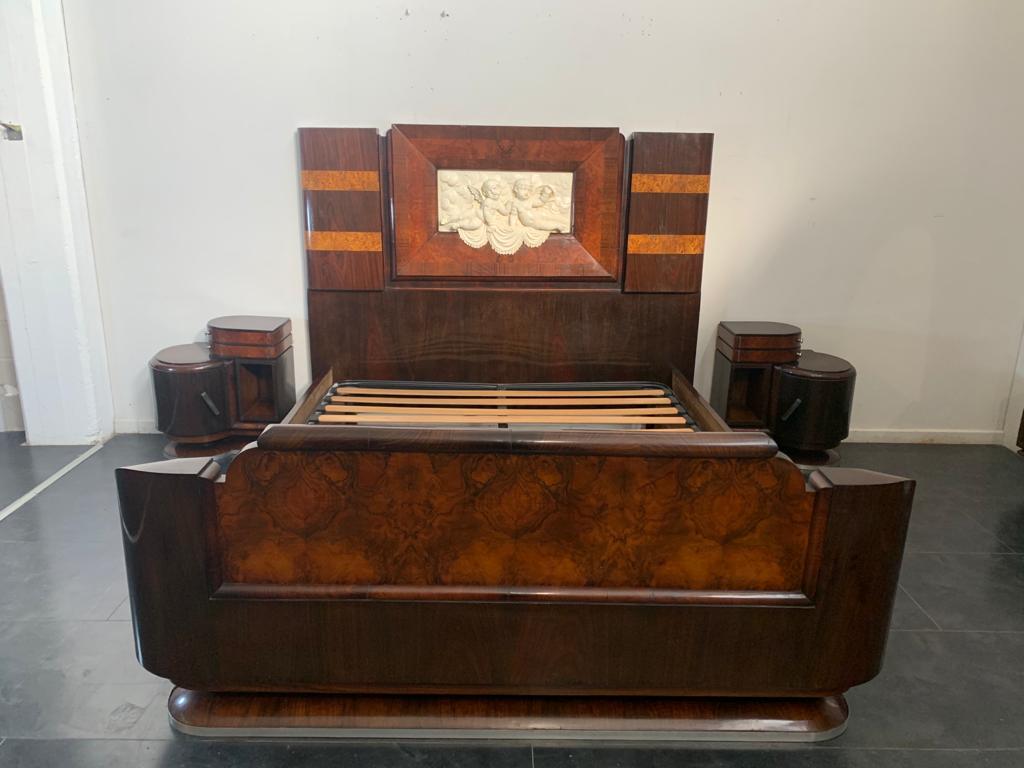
488 196
535 213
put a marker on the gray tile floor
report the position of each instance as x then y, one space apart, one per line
951 693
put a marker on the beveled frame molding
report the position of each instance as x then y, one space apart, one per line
594 156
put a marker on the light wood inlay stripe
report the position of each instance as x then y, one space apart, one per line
671 183
353 390
343 241
355 401
341 181
672 244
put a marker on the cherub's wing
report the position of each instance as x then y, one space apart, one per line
477 195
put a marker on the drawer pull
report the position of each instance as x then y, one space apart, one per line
212 406
792 409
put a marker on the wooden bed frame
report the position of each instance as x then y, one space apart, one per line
508 579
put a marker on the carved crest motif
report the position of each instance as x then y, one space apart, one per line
505 209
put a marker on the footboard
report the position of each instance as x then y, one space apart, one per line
391 561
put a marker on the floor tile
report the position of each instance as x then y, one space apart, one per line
953 483
195 753
942 689
55 580
75 680
82 506
975 592
906 614
22 468
692 756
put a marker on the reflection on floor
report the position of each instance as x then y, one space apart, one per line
951 692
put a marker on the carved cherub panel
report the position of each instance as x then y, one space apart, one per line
504 209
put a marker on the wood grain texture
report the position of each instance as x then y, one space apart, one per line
503 336
343 241
666 244
343 211
668 205
593 155
344 201
336 643
684 153
250 351
758 355
225 714
488 520
352 270
249 329
356 181
671 183
681 273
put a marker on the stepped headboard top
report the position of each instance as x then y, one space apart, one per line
488 253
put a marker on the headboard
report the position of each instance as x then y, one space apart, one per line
503 254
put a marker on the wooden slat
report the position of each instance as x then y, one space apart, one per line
504 401
353 390
456 410
412 418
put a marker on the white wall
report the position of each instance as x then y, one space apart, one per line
866 182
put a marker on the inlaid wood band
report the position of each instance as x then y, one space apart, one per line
342 194
671 183
341 181
343 241
671 244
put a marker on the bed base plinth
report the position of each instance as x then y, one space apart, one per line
336 716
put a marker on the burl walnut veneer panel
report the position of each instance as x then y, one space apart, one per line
668 208
441 519
342 191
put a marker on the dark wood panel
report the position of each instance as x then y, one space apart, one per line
665 232
361 645
672 152
345 270
664 273
741 334
227 714
249 329
755 355
344 193
338 149
503 336
343 211
668 214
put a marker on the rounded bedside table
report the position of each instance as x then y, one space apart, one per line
192 393
813 404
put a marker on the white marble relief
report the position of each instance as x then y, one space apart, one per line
505 209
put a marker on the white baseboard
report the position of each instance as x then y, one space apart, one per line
135 427
948 436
